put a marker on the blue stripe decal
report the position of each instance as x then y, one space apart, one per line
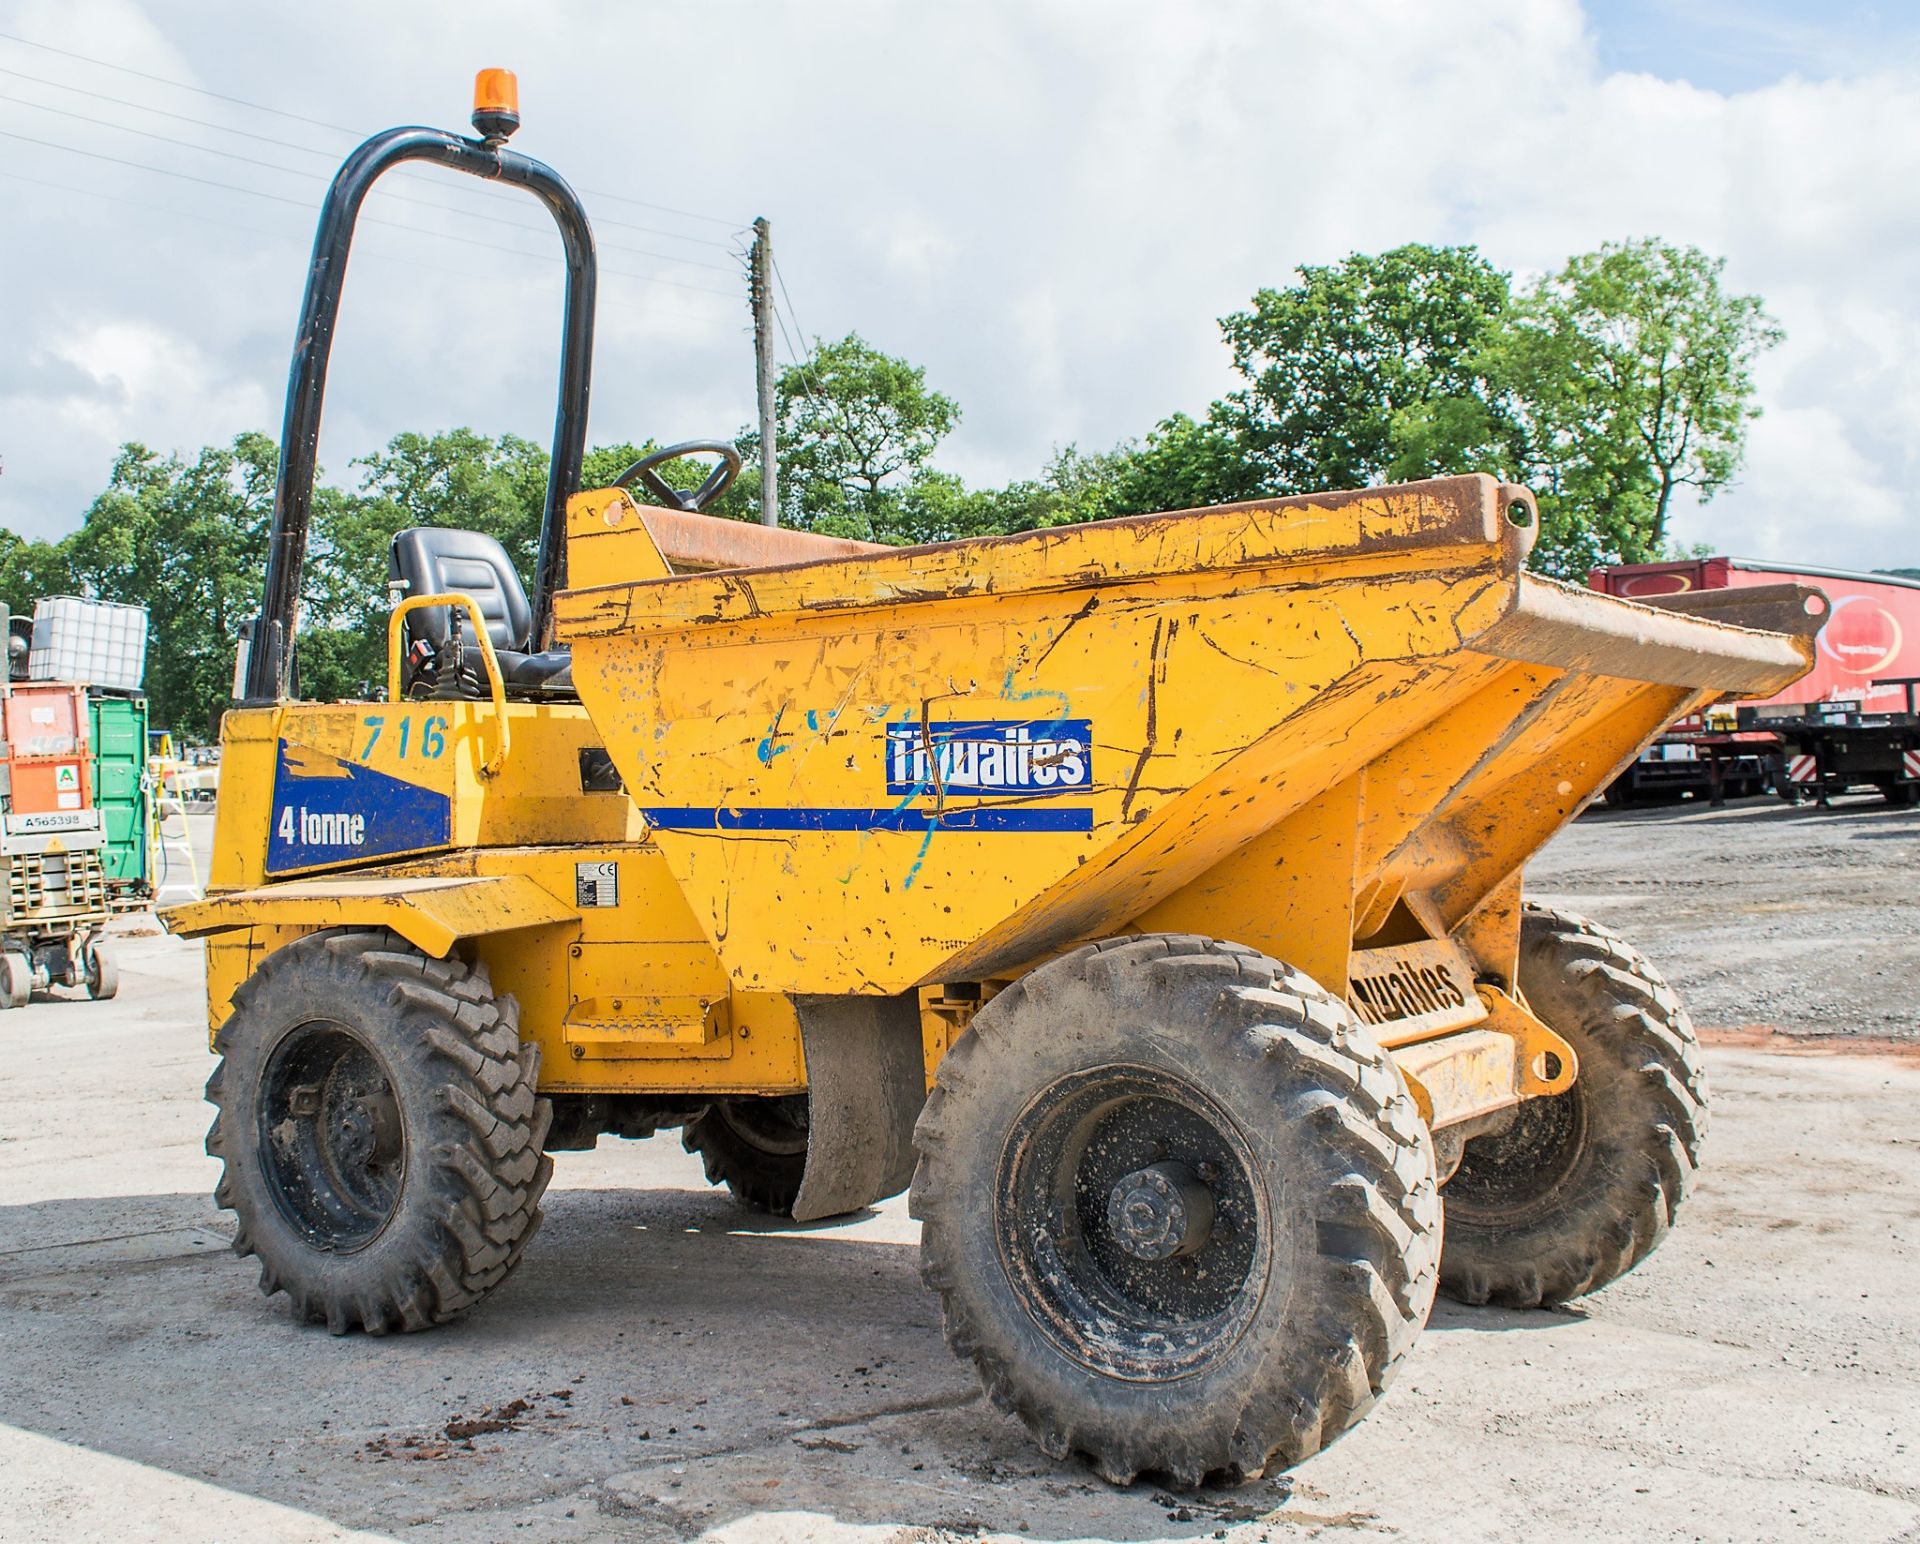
691 818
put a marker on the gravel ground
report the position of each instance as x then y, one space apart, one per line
664 1367
1795 920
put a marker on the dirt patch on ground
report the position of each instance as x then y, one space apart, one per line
1764 1037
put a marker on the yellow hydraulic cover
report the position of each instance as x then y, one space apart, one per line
939 763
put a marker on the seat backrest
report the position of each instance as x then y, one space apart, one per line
435 561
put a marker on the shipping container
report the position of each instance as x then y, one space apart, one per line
1872 636
1848 723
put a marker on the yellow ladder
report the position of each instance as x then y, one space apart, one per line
168 788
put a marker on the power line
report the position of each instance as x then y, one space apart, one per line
781 279
477 274
802 358
100 155
185 144
134 203
321 123
325 155
289 171
278 112
734 226
803 365
416 230
161 112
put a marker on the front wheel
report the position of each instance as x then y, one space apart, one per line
1582 1186
1179 1206
379 1131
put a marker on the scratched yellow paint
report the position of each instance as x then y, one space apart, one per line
1312 726
1232 665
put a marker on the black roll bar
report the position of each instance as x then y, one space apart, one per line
270 658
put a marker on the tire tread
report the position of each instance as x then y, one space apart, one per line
1380 1220
489 1174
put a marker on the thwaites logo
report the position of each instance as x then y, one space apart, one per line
976 757
1389 989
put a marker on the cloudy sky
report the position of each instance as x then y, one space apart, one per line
1046 204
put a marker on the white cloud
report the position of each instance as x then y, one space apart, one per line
1046 205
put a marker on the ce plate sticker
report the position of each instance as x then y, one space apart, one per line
596 885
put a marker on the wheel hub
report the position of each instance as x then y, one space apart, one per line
1160 1212
332 1139
1132 1223
363 1131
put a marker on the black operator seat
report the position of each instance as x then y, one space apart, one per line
432 560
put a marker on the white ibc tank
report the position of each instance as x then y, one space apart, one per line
98 642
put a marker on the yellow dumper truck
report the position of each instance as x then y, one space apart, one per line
1145 894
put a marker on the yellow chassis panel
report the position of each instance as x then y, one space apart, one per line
433 914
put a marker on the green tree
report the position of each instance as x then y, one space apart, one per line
187 540
1369 368
1184 463
1633 371
457 478
856 427
30 570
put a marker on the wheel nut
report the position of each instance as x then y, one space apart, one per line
1160 1212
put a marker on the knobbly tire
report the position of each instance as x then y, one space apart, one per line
1180 1209
1584 1185
757 1148
379 1131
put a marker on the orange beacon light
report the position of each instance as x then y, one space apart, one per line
496 104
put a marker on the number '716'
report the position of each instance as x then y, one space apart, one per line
433 737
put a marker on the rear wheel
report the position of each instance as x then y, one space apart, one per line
757 1148
1179 1207
103 972
16 979
1581 1187
379 1131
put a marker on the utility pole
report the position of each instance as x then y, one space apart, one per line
761 291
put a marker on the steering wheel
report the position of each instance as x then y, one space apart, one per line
718 480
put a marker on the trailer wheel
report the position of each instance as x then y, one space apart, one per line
1179 1207
16 979
379 1131
103 972
757 1148
1582 1186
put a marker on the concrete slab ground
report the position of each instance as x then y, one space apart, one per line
665 1366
